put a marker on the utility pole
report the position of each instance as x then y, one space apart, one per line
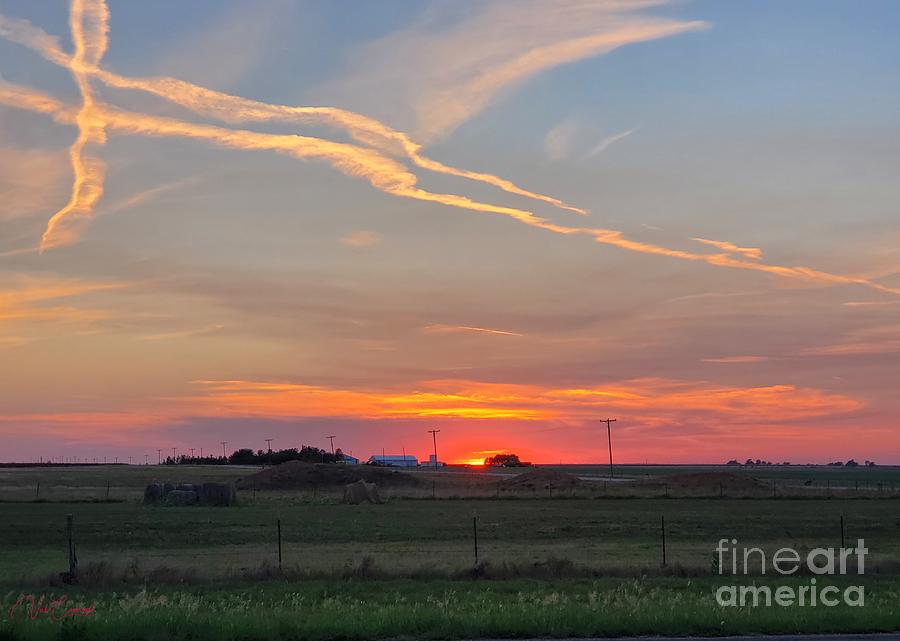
268 444
146 459
201 452
609 440
224 443
434 434
159 457
192 452
331 438
174 456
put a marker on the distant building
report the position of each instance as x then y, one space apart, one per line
432 462
392 460
347 459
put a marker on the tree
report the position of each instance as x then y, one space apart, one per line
503 460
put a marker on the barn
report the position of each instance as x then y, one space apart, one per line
394 460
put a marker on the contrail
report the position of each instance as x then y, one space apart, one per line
467 328
750 252
609 140
88 172
383 173
388 176
235 109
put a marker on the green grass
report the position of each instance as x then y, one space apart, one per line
343 610
573 567
423 536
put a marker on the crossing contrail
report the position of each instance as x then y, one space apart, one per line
89 20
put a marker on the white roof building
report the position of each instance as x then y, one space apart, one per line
394 460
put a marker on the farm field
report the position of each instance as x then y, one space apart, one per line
413 558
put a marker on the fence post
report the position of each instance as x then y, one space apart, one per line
107 489
475 533
662 525
37 491
433 485
279 545
774 490
73 559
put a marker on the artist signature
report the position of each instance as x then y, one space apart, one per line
53 608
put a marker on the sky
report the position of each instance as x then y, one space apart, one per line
503 219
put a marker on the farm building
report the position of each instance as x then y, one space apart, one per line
394 460
348 459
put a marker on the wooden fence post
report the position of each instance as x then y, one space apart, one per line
73 559
475 533
662 525
279 545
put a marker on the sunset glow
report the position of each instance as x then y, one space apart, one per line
504 221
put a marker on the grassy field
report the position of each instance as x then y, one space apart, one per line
124 482
382 609
407 536
408 566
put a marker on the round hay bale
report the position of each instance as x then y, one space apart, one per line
153 493
181 498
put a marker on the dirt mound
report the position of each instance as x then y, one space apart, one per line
540 479
713 481
295 475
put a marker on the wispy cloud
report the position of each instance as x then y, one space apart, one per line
456 329
754 253
558 141
737 359
450 70
605 143
361 238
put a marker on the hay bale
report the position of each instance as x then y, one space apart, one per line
153 493
181 497
361 492
218 494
